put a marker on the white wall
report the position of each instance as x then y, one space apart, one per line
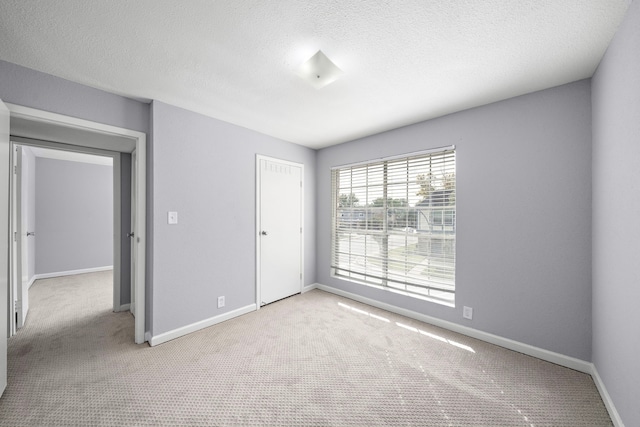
74 216
523 215
616 211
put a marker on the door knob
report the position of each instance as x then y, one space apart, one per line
31 233
130 234
264 233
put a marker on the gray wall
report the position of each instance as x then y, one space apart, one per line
205 170
616 209
74 215
29 191
523 209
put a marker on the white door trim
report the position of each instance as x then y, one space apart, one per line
5 221
140 140
14 254
259 225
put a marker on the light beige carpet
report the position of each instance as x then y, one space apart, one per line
310 360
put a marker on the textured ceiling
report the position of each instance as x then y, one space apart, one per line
404 61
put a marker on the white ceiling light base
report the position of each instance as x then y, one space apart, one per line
319 71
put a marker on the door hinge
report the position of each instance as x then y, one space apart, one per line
300 276
15 169
300 230
15 236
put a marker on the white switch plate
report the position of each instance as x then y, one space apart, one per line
172 217
467 312
220 302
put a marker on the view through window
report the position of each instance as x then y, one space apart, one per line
394 224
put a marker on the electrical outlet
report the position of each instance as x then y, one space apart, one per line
172 218
220 302
467 312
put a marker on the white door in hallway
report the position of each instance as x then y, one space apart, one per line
19 258
4 238
279 226
19 250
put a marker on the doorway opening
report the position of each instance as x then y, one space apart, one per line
40 128
68 197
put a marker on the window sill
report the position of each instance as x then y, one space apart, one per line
446 303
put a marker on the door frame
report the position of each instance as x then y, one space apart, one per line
259 225
5 222
139 140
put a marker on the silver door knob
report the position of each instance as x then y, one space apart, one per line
31 233
264 233
130 234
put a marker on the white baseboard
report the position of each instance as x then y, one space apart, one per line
309 287
176 333
549 356
33 279
124 307
71 272
147 337
608 403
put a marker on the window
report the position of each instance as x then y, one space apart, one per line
394 224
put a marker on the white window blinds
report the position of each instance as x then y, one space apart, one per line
394 223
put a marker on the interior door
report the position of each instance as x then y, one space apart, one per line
25 233
21 295
5 156
14 254
280 229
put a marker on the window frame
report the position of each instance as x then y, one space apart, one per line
427 289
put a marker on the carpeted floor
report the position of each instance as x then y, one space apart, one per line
310 360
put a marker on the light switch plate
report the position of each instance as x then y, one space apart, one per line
172 217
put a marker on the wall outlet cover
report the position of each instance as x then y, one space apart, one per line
220 302
172 217
467 312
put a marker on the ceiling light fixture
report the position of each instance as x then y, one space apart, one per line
319 71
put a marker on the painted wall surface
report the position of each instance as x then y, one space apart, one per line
616 209
74 215
205 170
523 215
29 196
